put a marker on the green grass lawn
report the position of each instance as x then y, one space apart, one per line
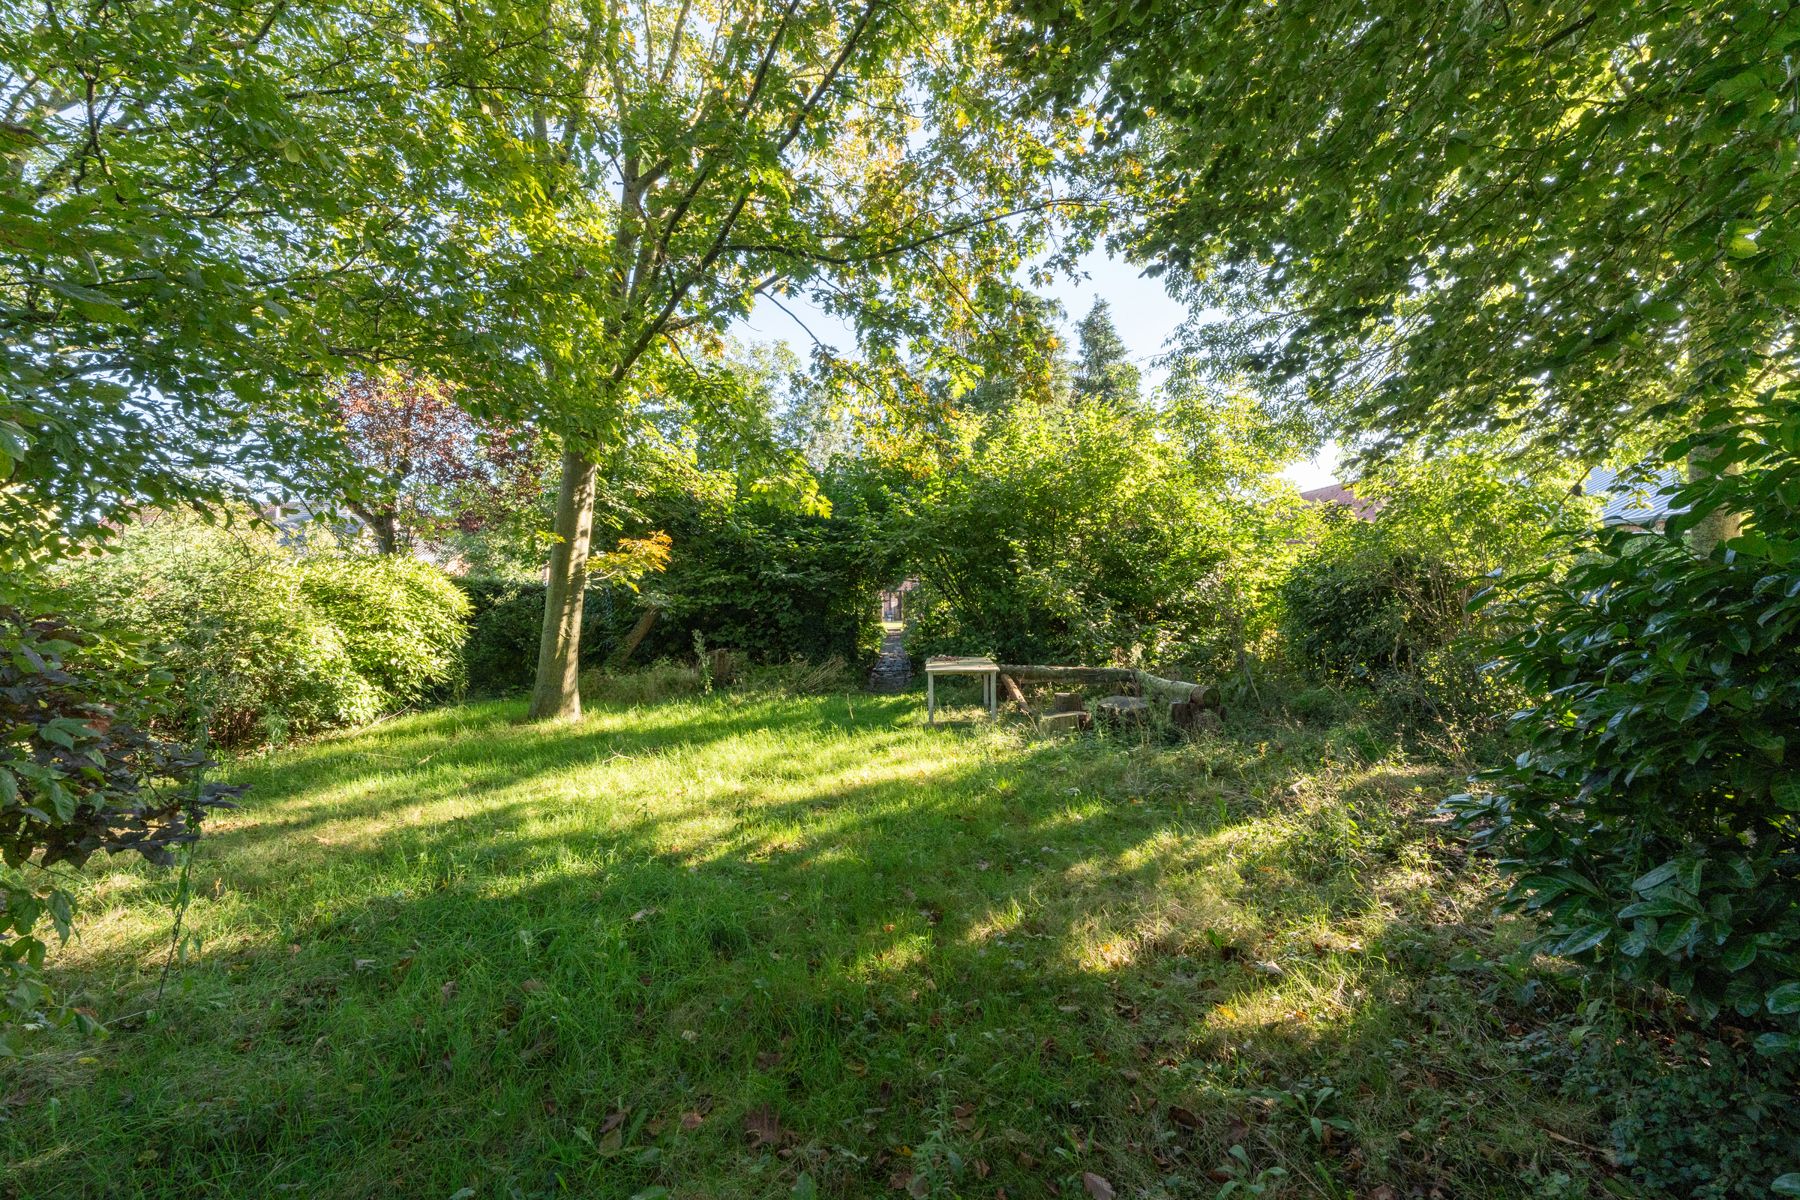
762 946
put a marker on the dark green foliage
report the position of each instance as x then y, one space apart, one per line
1654 815
1371 611
78 774
770 583
1695 1117
506 622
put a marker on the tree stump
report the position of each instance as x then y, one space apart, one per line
1123 710
1067 722
1193 716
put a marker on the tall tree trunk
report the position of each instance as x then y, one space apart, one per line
1715 374
557 693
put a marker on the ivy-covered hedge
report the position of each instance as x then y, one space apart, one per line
772 584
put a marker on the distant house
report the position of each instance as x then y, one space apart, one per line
893 600
1343 495
1637 496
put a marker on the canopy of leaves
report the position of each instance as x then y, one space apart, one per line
665 165
186 189
1538 219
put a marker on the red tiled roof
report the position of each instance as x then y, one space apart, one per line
1344 494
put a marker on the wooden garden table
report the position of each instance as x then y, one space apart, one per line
987 668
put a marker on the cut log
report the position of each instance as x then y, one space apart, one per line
1014 694
1068 702
1067 722
1146 683
1193 716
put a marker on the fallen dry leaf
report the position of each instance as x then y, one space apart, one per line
768 1060
1098 1188
763 1128
691 1121
1183 1117
613 1121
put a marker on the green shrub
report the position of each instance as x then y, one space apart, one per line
1653 817
402 621
1085 533
768 583
1355 609
1382 603
246 629
78 774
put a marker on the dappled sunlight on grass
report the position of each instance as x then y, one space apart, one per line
445 953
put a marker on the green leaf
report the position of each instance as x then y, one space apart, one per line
1583 940
1739 954
1786 1185
1686 708
1785 999
1655 878
1675 935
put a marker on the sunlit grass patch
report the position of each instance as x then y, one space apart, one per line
748 944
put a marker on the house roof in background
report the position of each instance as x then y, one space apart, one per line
1634 496
1343 494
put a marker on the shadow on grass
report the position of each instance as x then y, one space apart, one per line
715 946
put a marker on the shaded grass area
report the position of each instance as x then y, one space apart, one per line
754 946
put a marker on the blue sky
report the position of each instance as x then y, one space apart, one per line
1143 312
